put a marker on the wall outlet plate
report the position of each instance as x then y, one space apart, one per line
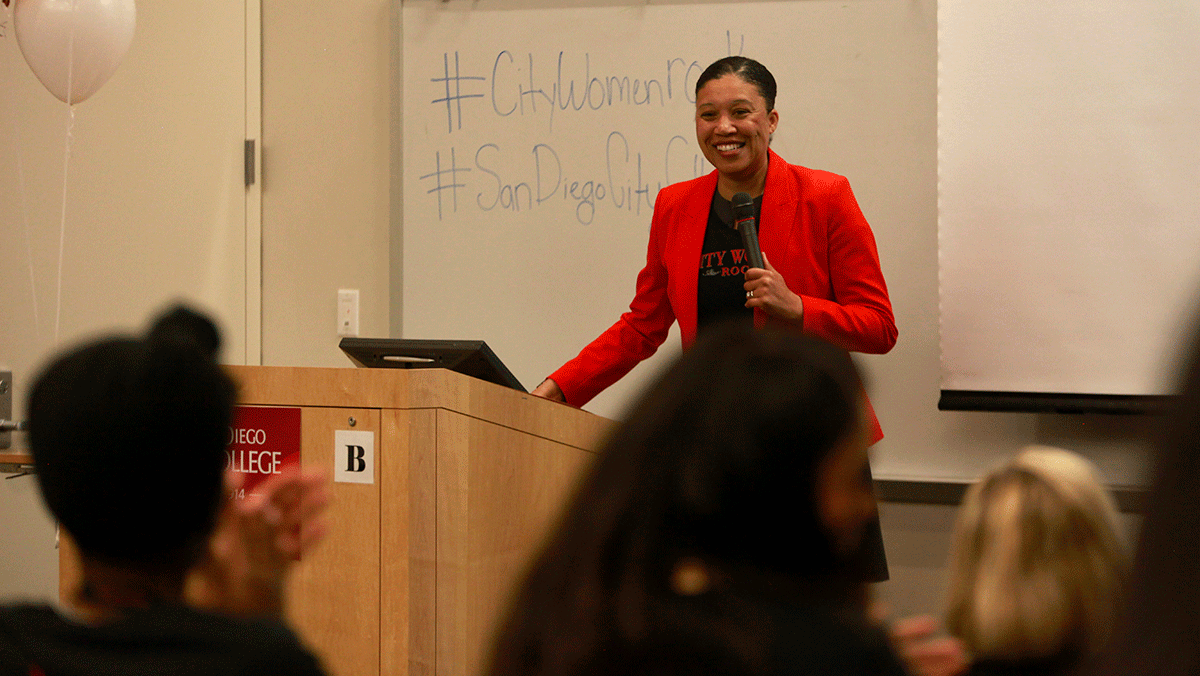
6 396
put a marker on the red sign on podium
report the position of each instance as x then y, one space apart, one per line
262 441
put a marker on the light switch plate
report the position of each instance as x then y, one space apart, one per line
347 312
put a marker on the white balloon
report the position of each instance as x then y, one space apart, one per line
74 45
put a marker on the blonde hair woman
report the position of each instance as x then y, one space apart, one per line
1038 566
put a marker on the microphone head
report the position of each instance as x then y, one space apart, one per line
743 207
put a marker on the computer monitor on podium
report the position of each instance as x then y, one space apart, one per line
468 357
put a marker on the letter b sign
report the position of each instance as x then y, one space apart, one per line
354 457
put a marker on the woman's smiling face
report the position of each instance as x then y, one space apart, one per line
734 127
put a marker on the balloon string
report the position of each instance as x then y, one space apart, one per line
62 226
28 241
23 201
71 58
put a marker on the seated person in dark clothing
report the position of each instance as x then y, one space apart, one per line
719 530
1160 629
1038 566
128 436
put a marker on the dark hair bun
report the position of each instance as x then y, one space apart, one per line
128 436
184 326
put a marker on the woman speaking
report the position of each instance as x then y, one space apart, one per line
820 272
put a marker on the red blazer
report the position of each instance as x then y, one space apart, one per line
811 230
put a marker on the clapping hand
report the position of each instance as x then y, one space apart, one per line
256 542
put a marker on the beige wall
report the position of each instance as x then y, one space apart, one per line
326 154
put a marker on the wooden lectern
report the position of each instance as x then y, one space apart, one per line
417 565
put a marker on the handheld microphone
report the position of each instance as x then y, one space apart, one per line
743 220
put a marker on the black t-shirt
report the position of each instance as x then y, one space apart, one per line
720 291
162 641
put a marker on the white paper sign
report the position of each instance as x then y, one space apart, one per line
354 457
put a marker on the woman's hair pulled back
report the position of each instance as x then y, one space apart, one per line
128 436
746 68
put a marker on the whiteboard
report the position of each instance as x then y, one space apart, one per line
1069 193
535 140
